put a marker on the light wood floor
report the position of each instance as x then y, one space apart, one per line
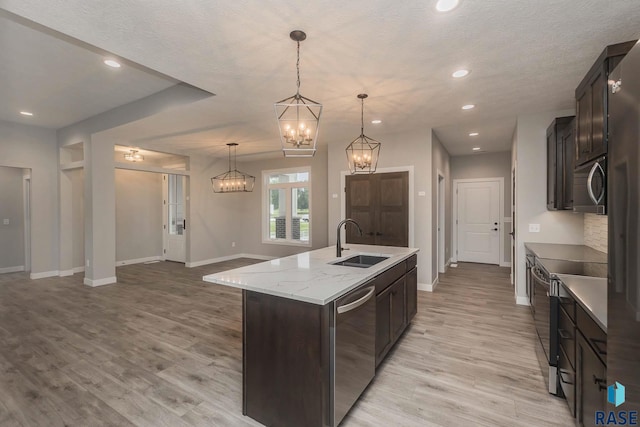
162 348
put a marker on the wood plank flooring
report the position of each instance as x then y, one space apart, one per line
163 348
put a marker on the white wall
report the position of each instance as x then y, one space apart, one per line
213 218
76 177
442 163
398 150
11 209
138 215
531 207
489 165
35 148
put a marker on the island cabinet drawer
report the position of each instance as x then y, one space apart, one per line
567 336
387 278
411 262
567 303
593 334
567 377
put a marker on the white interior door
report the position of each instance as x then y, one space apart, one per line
478 219
174 218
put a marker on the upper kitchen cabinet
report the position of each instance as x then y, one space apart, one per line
560 146
591 104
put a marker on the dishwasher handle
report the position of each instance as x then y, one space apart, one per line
357 303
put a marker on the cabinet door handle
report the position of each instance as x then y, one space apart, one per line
564 334
378 233
562 373
596 344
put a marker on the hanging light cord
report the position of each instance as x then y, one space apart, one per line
298 69
362 118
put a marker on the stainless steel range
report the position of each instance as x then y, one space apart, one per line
545 297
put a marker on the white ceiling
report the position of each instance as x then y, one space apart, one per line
525 56
63 81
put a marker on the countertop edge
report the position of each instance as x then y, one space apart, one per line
329 299
580 301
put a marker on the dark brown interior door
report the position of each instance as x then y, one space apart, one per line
380 204
361 207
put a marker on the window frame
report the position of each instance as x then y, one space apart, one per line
266 187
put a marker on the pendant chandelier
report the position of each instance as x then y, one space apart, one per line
363 152
233 181
133 156
298 117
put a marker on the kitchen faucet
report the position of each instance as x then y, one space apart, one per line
338 245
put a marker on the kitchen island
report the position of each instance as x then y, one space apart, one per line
315 331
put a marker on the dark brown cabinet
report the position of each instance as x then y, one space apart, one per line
296 353
412 293
581 360
591 387
591 105
560 142
396 304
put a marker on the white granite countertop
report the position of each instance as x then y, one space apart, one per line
590 293
309 276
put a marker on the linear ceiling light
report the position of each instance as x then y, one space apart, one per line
233 181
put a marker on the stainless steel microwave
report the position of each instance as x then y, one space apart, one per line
590 187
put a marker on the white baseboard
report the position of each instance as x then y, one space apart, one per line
44 275
428 287
138 260
15 269
227 258
74 270
522 300
99 282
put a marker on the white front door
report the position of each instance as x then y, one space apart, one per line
479 222
174 218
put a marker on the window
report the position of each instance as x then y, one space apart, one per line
286 206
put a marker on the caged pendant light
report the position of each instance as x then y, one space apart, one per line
298 117
363 152
233 181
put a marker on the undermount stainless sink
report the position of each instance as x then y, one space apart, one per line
361 261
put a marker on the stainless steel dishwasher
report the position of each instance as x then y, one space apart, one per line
354 361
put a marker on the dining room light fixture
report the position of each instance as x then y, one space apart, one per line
133 156
363 152
233 181
298 116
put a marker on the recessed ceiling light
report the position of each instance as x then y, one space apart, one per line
474 134
460 73
26 113
112 63
446 5
476 148
376 121
468 107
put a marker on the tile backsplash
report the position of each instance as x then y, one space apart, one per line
595 231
